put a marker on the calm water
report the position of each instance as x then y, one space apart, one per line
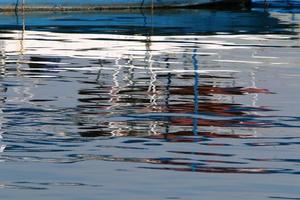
184 104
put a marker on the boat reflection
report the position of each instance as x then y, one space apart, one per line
137 22
151 105
146 82
145 85
137 116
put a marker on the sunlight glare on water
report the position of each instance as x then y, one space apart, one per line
148 107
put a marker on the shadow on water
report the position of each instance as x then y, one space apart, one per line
145 81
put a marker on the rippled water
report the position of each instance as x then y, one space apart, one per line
184 104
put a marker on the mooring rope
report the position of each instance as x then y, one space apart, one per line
16 7
23 16
142 4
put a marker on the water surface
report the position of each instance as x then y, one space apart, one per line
150 105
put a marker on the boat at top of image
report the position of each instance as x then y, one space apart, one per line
109 4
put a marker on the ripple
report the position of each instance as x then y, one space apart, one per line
23 185
277 197
223 170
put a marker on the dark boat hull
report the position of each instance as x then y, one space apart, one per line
107 4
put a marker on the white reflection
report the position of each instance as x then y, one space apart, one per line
82 48
2 147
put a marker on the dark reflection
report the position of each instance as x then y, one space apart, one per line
256 144
184 164
286 198
144 22
202 153
23 185
40 62
277 160
223 170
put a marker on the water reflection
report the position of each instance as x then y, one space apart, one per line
167 22
180 108
3 89
184 98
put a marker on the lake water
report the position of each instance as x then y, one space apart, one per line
180 104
